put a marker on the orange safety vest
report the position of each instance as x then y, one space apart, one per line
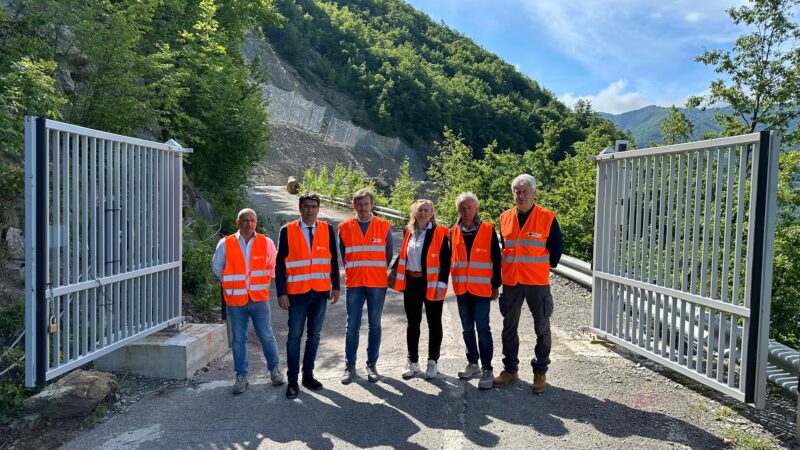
432 264
235 275
525 257
364 255
473 275
304 271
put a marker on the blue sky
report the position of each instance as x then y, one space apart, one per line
620 54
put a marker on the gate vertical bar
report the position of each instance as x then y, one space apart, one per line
759 262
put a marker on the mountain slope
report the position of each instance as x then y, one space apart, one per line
415 77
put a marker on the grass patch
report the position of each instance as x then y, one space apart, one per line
744 440
723 412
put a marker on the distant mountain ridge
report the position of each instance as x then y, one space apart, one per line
644 123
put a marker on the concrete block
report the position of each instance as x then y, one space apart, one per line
169 354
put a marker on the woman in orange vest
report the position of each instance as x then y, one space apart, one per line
475 272
423 269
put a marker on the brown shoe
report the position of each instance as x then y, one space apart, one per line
539 382
504 378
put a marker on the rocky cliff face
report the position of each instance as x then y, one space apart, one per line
294 149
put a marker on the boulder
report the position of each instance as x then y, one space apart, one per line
292 186
15 242
76 394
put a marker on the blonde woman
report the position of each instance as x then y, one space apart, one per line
423 269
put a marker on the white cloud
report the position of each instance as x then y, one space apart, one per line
693 16
612 99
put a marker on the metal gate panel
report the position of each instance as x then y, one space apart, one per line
683 250
103 243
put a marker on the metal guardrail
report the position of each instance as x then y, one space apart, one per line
377 210
783 363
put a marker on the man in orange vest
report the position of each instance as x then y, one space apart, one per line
365 242
306 276
475 273
531 240
243 262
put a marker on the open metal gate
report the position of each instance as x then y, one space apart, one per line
683 250
103 221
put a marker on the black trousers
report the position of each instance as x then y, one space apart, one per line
413 300
540 303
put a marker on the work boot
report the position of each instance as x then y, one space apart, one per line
505 378
349 374
470 371
431 371
412 369
291 390
372 374
539 382
487 379
276 376
311 383
241 383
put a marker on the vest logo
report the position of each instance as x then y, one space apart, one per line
534 235
434 255
377 240
319 247
481 250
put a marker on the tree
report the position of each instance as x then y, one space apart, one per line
404 190
676 128
762 68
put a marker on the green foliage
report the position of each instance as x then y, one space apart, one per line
786 273
342 183
12 384
415 77
199 243
404 190
761 71
676 128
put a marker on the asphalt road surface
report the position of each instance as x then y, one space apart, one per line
598 397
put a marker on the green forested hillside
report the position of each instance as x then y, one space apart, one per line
414 77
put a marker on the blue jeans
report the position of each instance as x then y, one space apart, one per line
474 313
259 313
310 310
355 306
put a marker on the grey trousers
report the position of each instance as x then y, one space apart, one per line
540 303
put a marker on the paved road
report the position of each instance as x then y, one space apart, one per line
598 398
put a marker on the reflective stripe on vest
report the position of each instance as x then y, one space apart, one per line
526 259
304 271
364 253
473 276
432 264
235 277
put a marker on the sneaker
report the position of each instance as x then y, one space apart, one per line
412 369
241 383
431 371
312 383
539 382
470 371
276 376
505 378
487 379
349 374
372 374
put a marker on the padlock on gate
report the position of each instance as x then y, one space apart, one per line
53 325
